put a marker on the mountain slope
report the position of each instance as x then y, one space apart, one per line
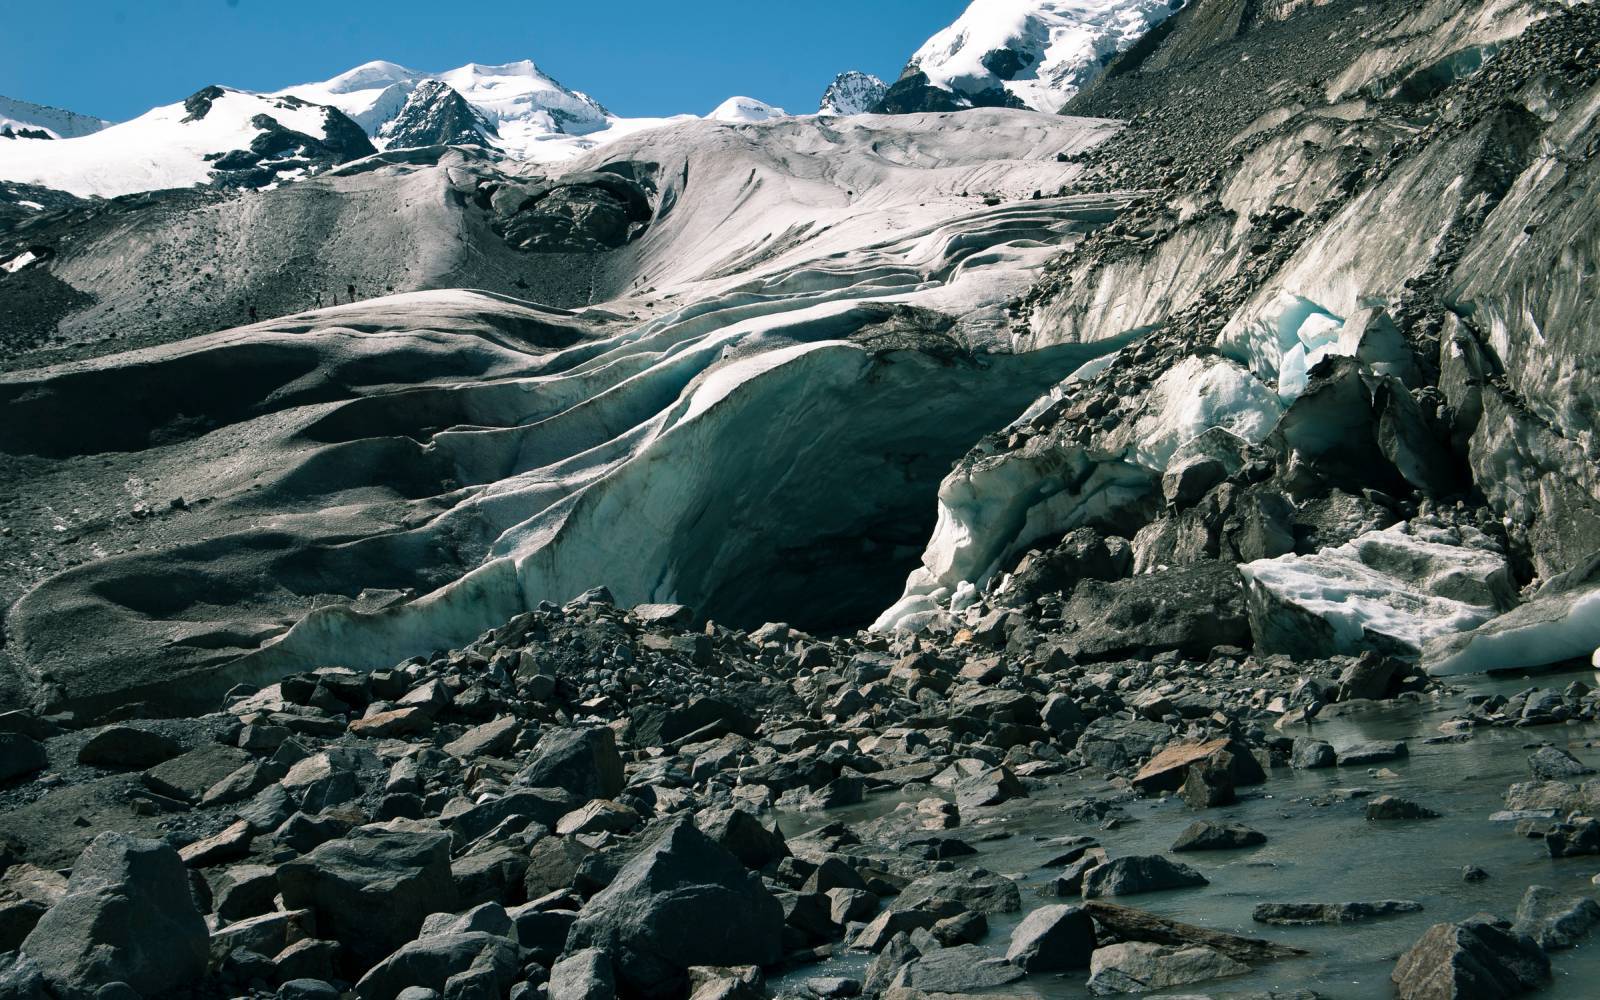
57 123
221 136
1039 53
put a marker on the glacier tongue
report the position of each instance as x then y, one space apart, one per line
754 427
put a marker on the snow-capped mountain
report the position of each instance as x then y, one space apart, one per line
436 115
745 109
529 113
216 136
852 93
24 119
1039 52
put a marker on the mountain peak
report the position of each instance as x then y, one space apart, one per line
852 93
435 115
1039 52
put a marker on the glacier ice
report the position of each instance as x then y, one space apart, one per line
1390 590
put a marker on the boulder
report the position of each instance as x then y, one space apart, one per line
1309 754
189 776
1555 921
491 961
1139 873
19 755
1168 769
1477 959
1204 835
974 888
581 761
682 901
127 916
963 969
583 975
1052 939
1142 967
372 889
126 748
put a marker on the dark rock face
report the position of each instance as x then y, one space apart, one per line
1204 835
913 93
1477 959
276 150
576 212
435 115
682 901
127 916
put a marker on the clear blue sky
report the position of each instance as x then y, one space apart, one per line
118 58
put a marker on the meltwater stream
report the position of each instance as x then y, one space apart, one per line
1320 848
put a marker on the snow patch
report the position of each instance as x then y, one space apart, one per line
745 109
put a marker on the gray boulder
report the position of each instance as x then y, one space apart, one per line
1142 967
1139 873
1052 939
1204 835
1555 921
127 917
581 761
1477 959
434 961
583 975
372 889
682 901
962 969
19 755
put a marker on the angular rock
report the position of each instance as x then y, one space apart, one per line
372 889
682 901
491 739
1556 922
1139 873
127 748
1394 807
1052 939
1167 770
581 761
974 888
1141 967
440 962
1204 835
1556 764
127 917
1372 752
962 969
584 974
1477 959
19 755
1309 754
189 776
